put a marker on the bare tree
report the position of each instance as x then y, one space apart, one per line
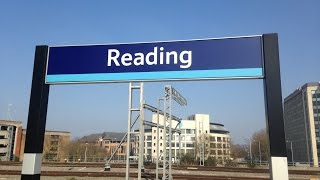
77 149
203 141
238 150
260 137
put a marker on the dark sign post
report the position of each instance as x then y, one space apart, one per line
274 108
228 58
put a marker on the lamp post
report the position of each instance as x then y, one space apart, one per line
259 151
85 153
291 152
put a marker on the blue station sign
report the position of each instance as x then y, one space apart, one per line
157 61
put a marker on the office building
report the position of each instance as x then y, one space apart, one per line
10 140
54 146
196 130
302 124
110 144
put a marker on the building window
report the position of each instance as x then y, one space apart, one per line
54 149
189 131
54 142
54 136
189 145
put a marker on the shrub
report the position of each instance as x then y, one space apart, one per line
188 159
230 163
211 161
251 164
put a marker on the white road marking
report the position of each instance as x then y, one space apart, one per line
82 169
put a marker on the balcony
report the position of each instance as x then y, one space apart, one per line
4 141
3 150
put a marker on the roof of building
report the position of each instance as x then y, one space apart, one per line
298 90
105 135
10 122
49 132
218 128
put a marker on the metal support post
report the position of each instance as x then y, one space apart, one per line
130 126
141 135
179 147
164 136
158 137
31 166
129 133
170 133
274 107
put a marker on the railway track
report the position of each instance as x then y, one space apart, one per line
133 175
186 168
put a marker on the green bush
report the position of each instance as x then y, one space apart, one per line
251 164
230 163
188 159
211 161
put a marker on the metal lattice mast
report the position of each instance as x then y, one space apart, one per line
170 94
165 144
141 135
201 143
158 137
130 126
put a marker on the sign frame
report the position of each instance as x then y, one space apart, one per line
31 168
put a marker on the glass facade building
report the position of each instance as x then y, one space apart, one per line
302 124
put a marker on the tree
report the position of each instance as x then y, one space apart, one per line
188 159
77 150
238 150
203 141
261 137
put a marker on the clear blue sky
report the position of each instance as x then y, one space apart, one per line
84 109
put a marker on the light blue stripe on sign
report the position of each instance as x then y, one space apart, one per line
160 75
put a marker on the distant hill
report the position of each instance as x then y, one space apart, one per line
96 136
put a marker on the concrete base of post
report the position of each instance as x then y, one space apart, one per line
107 167
279 168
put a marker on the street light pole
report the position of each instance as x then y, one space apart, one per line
85 153
291 152
260 153
250 152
